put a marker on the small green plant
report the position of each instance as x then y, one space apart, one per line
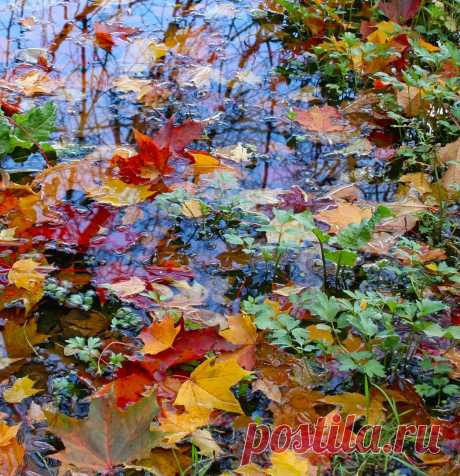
126 318
21 133
437 383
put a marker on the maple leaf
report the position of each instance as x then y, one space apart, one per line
120 194
109 437
320 119
209 386
21 389
179 425
11 452
189 345
400 11
357 404
23 274
241 331
7 433
155 152
159 336
289 463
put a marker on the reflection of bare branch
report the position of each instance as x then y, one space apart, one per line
69 26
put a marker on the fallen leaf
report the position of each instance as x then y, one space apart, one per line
179 425
206 443
120 194
251 469
21 389
345 214
418 180
209 386
7 433
35 83
356 404
204 163
23 274
289 463
21 338
236 153
450 152
163 462
133 285
241 331
271 390
159 336
11 452
411 101
122 436
322 119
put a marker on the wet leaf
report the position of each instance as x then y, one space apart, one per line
209 386
241 331
21 389
120 194
345 214
322 119
159 336
122 436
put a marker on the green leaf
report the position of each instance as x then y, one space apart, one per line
342 257
427 307
373 368
36 124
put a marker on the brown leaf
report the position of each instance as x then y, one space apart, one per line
345 214
122 436
322 119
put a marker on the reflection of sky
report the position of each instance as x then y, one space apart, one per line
221 68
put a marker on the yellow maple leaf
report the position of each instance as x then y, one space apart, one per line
21 389
179 425
23 274
289 463
241 331
209 386
357 404
120 194
159 336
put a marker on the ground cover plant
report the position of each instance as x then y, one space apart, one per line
222 221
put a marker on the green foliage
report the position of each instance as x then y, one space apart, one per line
27 129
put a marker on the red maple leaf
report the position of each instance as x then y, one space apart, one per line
154 153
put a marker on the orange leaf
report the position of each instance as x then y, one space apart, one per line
320 119
241 330
159 336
